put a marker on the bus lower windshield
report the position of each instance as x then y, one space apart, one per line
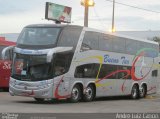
31 68
38 36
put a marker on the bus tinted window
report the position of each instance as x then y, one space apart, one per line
62 63
38 36
140 45
118 44
107 70
147 48
87 71
154 73
114 72
90 41
105 43
69 37
123 74
131 47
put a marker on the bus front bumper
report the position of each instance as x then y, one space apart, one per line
39 89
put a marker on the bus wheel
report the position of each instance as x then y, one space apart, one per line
135 92
89 93
39 99
143 91
75 94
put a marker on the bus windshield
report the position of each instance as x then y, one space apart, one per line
38 36
31 68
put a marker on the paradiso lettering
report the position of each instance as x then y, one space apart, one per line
122 60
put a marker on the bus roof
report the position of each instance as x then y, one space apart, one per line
52 25
91 29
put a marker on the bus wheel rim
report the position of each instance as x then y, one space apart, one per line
89 92
142 92
75 93
134 92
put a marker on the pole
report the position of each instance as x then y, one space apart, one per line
113 16
86 14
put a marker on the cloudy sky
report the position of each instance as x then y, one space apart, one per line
15 14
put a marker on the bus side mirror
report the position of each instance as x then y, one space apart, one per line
7 53
57 50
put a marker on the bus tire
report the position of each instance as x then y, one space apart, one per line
89 93
135 92
39 99
143 91
75 94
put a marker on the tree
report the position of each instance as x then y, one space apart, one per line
157 39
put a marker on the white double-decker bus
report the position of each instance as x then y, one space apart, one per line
74 62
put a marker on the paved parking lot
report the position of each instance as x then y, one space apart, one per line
101 105
17 104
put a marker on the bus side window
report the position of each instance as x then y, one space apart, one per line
90 41
87 71
154 73
124 75
107 70
119 44
62 63
131 47
69 37
105 42
147 53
